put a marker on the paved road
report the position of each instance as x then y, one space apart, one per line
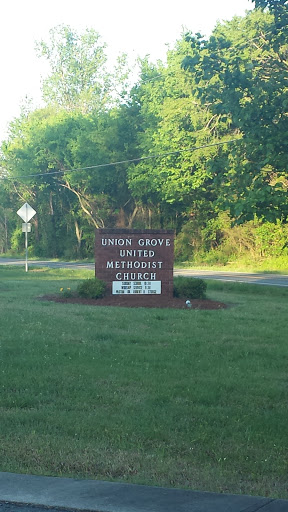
241 277
19 507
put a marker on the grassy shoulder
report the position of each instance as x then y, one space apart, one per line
183 398
270 265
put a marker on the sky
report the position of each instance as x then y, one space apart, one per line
136 28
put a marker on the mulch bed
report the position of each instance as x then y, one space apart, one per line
139 302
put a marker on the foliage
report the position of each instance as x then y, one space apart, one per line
91 289
201 234
70 204
7 219
180 181
16 241
197 145
189 288
218 242
278 8
65 150
271 4
77 62
241 74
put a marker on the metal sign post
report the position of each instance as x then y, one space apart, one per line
26 228
26 212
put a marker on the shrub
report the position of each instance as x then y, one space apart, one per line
91 288
189 288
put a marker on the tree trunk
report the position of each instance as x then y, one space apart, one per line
79 233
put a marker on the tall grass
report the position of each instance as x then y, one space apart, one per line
185 398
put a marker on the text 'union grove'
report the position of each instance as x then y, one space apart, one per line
143 242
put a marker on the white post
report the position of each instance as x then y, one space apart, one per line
26 248
26 239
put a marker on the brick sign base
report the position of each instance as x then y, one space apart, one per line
135 262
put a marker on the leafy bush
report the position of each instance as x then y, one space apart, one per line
91 288
189 288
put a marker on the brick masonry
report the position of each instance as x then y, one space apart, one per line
135 255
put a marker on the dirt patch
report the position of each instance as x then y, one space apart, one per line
139 302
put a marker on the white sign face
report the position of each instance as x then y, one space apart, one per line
26 212
136 287
26 227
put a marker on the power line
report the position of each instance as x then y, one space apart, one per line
110 164
3 173
150 79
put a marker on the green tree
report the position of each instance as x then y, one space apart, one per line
179 184
64 149
273 5
279 9
7 215
61 163
241 74
78 76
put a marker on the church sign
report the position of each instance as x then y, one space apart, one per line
135 262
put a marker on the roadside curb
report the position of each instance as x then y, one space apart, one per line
100 496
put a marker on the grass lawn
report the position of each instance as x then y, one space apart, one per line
270 265
181 398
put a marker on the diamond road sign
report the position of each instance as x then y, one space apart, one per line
26 212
